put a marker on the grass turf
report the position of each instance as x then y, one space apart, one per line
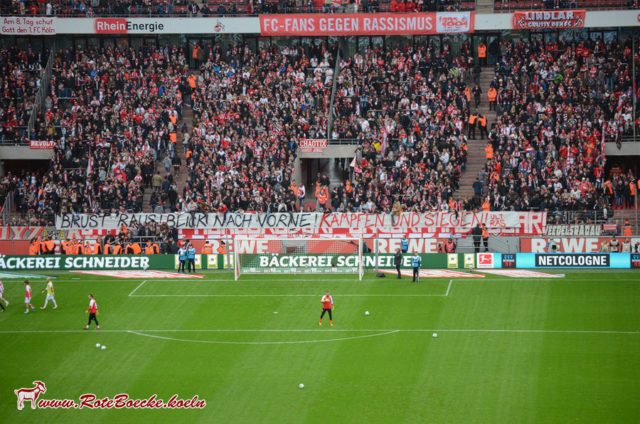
508 350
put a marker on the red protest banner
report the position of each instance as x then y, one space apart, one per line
552 19
366 24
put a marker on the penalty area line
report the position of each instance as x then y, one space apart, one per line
338 339
136 289
449 288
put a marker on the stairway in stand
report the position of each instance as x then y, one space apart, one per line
475 154
180 178
484 6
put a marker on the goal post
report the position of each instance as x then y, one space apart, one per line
298 256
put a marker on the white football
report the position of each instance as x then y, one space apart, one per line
435 334
98 345
301 385
104 347
366 313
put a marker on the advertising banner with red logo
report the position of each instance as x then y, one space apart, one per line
574 244
42 144
485 260
28 25
125 26
310 145
366 24
549 19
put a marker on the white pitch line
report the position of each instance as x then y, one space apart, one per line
358 330
449 288
263 343
134 290
286 295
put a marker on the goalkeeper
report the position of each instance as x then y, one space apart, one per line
327 306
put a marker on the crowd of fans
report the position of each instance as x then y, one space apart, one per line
115 113
407 109
117 116
20 76
119 112
556 104
250 111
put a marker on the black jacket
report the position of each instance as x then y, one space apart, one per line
397 259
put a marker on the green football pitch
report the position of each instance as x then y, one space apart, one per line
508 350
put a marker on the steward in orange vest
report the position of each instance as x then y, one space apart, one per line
626 230
132 248
191 79
472 125
485 237
222 249
467 92
97 247
492 94
207 249
151 249
65 247
34 247
483 125
116 249
49 246
489 151
482 53
482 50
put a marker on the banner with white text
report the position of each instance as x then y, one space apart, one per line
578 244
414 225
366 24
